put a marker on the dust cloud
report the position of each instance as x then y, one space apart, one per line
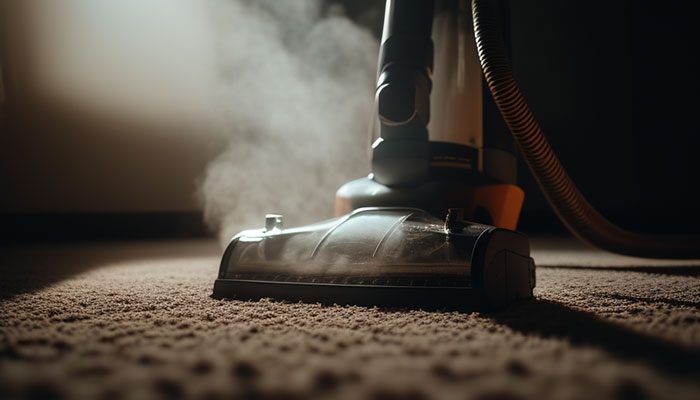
297 80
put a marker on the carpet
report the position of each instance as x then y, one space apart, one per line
135 320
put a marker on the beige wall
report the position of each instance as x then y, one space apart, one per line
108 106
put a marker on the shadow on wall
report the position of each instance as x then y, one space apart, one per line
107 105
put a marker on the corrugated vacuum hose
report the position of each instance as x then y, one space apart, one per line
575 212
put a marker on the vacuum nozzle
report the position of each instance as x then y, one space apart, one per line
380 256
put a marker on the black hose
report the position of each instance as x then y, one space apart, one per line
575 212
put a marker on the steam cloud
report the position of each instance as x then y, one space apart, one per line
296 92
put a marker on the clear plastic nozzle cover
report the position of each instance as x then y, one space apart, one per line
370 246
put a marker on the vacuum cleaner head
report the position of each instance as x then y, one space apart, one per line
380 256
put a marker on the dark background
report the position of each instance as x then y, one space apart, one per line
613 84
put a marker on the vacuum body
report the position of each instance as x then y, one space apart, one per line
433 224
438 141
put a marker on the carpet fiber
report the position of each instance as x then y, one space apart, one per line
135 320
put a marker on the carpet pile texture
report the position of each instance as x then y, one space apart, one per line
136 321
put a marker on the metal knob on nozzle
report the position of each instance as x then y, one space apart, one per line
454 221
273 222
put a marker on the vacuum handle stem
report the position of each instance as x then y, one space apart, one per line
402 155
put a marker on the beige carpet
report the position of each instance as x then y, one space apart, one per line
135 321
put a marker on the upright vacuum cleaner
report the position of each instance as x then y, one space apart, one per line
434 224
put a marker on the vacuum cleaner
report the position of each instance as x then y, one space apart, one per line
434 223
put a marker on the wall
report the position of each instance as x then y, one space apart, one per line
614 86
108 105
613 83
